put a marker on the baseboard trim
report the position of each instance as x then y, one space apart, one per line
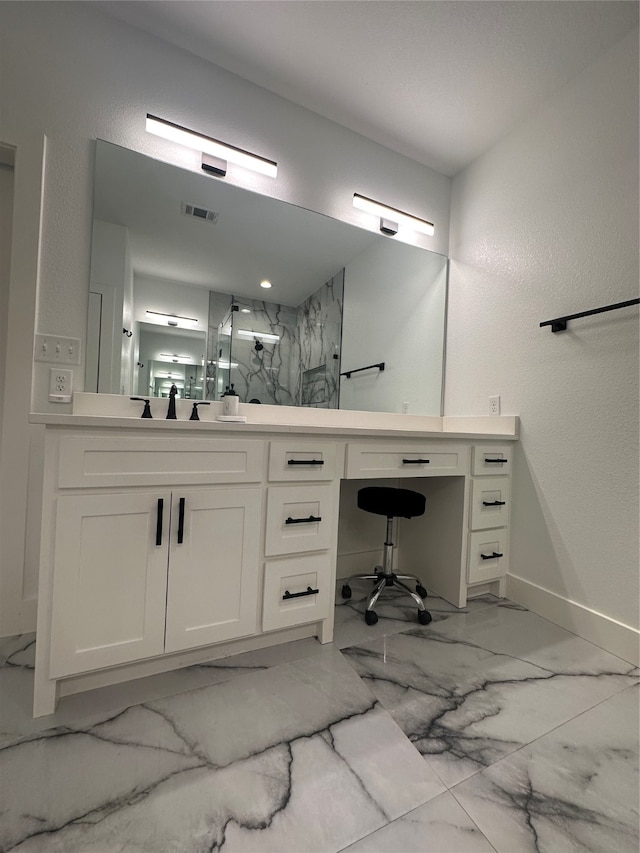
613 636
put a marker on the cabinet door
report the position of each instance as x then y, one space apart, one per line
214 563
110 580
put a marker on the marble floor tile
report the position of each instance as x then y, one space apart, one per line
439 826
469 690
574 790
17 655
396 613
297 757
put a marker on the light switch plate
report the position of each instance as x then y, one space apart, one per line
55 349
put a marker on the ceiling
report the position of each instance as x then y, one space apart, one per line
439 82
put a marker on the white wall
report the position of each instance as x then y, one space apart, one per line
77 75
546 224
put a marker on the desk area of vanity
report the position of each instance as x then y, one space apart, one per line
170 543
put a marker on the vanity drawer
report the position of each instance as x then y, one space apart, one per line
490 499
488 555
301 461
299 518
410 460
491 460
86 462
296 590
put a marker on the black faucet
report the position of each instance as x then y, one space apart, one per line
171 412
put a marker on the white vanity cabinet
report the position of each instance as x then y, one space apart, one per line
301 523
143 573
170 544
488 550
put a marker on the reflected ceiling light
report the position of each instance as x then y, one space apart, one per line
265 283
176 359
390 216
245 310
215 154
258 336
171 319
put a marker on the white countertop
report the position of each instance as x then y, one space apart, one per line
118 412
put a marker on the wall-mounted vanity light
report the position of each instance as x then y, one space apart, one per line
172 319
391 218
215 154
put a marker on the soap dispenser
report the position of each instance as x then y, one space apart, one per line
230 401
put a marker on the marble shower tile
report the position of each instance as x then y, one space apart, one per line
574 790
297 757
468 691
439 826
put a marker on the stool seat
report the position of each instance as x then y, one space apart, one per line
390 502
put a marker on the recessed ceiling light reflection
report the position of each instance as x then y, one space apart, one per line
245 310
265 283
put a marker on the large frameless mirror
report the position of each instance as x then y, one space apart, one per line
177 263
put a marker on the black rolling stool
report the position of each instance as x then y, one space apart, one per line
393 503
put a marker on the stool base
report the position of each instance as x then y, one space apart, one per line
382 580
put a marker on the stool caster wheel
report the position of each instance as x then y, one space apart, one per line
424 617
370 617
422 592
346 591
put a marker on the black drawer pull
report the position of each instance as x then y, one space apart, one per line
494 503
491 556
287 595
181 522
421 461
495 460
303 520
159 517
305 462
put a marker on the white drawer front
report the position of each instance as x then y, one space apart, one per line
492 460
300 461
488 555
87 462
299 518
490 498
410 460
296 591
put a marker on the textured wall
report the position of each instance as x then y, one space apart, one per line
545 224
77 75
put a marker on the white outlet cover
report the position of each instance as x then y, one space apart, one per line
60 385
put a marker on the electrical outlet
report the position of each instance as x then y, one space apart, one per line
405 407
60 385
494 405
57 350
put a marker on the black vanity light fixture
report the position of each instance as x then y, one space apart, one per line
215 154
391 218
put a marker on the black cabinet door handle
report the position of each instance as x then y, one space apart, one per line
415 461
305 462
287 595
303 520
495 460
181 521
491 556
494 503
159 516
